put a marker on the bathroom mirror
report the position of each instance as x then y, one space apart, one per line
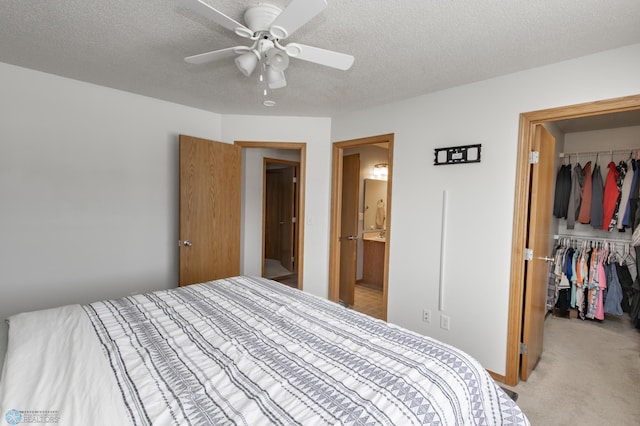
375 205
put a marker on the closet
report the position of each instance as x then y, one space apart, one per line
596 208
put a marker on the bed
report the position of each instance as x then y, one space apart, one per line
242 350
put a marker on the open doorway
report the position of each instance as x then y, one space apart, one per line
280 224
258 159
518 304
359 252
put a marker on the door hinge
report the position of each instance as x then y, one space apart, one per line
295 179
528 254
534 157
523 349
294 220
293 259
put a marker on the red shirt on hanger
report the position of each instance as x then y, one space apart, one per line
611 194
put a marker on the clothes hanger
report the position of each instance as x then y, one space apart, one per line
627 253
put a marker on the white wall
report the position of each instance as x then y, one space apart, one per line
88 190
315 132
481 195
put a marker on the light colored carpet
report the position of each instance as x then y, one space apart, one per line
589 374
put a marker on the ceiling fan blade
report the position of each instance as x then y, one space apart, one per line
218 17
295 15
203 58
329 58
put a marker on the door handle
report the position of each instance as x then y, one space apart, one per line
351 237
187 243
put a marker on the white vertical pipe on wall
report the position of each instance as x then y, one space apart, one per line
443 233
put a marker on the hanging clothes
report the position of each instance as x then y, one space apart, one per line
597 197
584 215
630 214
625 193
592 286
575 269
592 279
626 283
613 298
575 197
563 191
602 285
611 197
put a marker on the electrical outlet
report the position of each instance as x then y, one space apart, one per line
444 322
426 315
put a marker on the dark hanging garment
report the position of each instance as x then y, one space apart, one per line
630 215
575 197
625 194
597 197
626 283
584 215
616 220
563 191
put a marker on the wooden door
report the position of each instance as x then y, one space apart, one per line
272 214
538 238
210 184
349 226
287 214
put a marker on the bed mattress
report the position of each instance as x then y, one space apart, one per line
242 350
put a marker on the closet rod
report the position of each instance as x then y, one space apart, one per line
585 238
590 153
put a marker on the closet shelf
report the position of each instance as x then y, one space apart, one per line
592 153
587 238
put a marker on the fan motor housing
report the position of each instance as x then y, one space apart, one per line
261 16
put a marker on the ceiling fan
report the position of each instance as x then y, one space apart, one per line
267 25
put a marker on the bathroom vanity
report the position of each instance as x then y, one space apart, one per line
373 259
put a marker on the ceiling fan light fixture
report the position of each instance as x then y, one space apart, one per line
275 78
277 59
247 62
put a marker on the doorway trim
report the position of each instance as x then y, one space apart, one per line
302 147
336 207
521 210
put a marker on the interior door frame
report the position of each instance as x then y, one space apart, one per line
302 147
336 208
521 214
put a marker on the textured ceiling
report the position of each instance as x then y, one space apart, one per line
401 48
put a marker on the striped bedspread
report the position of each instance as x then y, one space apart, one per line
250 351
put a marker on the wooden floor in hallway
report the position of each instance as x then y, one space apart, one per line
368 301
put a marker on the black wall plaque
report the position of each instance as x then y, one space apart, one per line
457 155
